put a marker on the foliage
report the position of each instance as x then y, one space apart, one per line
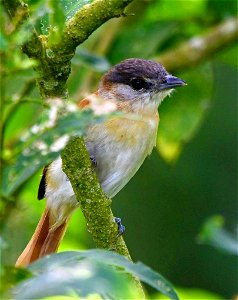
83 273
28 137
44 142
213 233
191 294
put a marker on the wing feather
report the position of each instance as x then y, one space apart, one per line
42 185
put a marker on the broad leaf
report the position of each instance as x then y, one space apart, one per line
87 272
56 13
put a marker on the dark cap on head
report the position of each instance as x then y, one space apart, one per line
136 68
141 75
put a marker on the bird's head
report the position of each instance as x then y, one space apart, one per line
138 84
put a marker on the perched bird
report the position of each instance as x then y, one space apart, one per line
117 147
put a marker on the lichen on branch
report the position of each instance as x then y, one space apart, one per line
54 59
95 205
87 20
52 71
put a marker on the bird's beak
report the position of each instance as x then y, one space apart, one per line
171 82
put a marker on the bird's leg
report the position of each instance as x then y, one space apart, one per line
121 228
93 160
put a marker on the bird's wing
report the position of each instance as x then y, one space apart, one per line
42 185
85 103
82 104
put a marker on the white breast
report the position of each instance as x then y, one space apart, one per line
119 149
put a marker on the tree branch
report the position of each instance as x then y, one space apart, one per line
87 20
54 59
53 69
93 202
95 205
200 48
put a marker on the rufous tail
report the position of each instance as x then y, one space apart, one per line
44 241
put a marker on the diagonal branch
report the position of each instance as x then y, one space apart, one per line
95 205
53 69
87 20
200 48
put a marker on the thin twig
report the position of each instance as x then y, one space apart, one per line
200 48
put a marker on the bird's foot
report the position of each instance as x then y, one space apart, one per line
121 228
93 160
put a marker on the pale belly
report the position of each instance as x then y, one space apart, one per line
118 151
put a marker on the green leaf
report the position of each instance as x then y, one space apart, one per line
86 272
71 7
56 13
183 113
93 61
191 294
213 233
43 143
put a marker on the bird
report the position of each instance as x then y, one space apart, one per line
117 146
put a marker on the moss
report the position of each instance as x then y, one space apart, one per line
54 60
95 205
52 71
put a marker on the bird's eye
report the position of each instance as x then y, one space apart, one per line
138 84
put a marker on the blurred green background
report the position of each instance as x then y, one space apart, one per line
191 175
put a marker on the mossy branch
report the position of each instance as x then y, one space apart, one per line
200 48
87 20
53 69
95 205
53 59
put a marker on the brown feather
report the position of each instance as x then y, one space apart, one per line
53 239
44 241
